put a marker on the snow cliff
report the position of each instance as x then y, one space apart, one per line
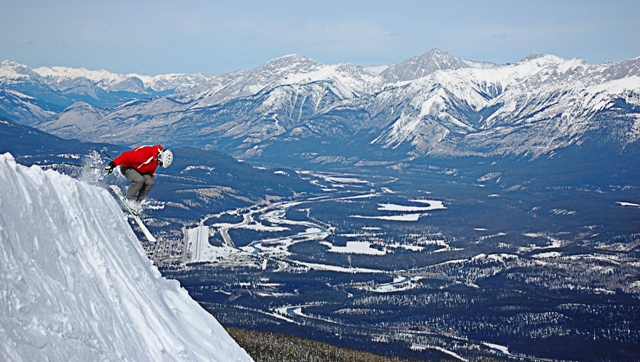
75 284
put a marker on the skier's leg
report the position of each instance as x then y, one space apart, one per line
146 187
136 181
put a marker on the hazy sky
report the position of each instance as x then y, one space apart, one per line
215 37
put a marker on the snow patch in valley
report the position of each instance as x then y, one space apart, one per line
497 347
341 269
420 347
628 204
404 217
551 254
410 213
354 247
433 205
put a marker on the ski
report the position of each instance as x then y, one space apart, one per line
134 215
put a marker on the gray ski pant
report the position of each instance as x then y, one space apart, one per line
140 184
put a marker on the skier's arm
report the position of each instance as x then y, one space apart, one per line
111 166
123 158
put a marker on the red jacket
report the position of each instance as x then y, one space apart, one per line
143 159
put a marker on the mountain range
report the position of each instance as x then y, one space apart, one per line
295 108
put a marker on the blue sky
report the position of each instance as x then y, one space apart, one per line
215 37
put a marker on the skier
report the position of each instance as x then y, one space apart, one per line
138 165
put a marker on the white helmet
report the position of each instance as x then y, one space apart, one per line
166 158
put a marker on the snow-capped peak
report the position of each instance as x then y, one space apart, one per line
543 58
66 78
291 58
289 64
134 82
59 72
13 70
417 67
347 80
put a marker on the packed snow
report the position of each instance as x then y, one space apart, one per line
76 284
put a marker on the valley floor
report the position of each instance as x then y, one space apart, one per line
436 272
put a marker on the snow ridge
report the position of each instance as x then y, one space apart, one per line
76 284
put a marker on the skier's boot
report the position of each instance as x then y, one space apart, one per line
133 205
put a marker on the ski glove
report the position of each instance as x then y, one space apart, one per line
111 166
